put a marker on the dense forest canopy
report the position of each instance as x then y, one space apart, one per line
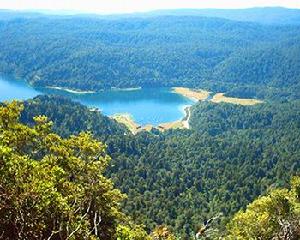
90 53
181 178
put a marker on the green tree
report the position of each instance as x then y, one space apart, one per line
53 188
131 232
162 233
275 216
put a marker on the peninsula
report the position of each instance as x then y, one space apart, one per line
194 94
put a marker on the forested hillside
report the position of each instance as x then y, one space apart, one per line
180 178
274 216
88 53
53 187
71 118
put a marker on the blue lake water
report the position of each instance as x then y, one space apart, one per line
147 106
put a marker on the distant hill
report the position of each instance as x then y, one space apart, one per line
267 15
88 53
10 15
262 15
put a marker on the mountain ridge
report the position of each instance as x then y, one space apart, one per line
262 15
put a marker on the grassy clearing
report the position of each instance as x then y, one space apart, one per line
194 94
219 97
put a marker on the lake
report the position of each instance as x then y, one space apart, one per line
146 106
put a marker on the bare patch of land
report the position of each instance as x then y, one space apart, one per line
147 127
128 121
171 125
194 94
186 120
219 97
94 109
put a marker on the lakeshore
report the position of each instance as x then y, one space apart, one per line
71 90
147 105
202 95
135 128
126 89
128 121
156 108
193 94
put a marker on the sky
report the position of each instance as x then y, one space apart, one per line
128 6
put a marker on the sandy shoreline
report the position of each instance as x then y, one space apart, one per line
125 89
193 94
202 95
128 121
89 92
70 90
179 124
135 128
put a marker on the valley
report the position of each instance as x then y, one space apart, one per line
171 124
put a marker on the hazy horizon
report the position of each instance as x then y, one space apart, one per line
70 11
135 6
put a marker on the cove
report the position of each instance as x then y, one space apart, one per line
146 106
